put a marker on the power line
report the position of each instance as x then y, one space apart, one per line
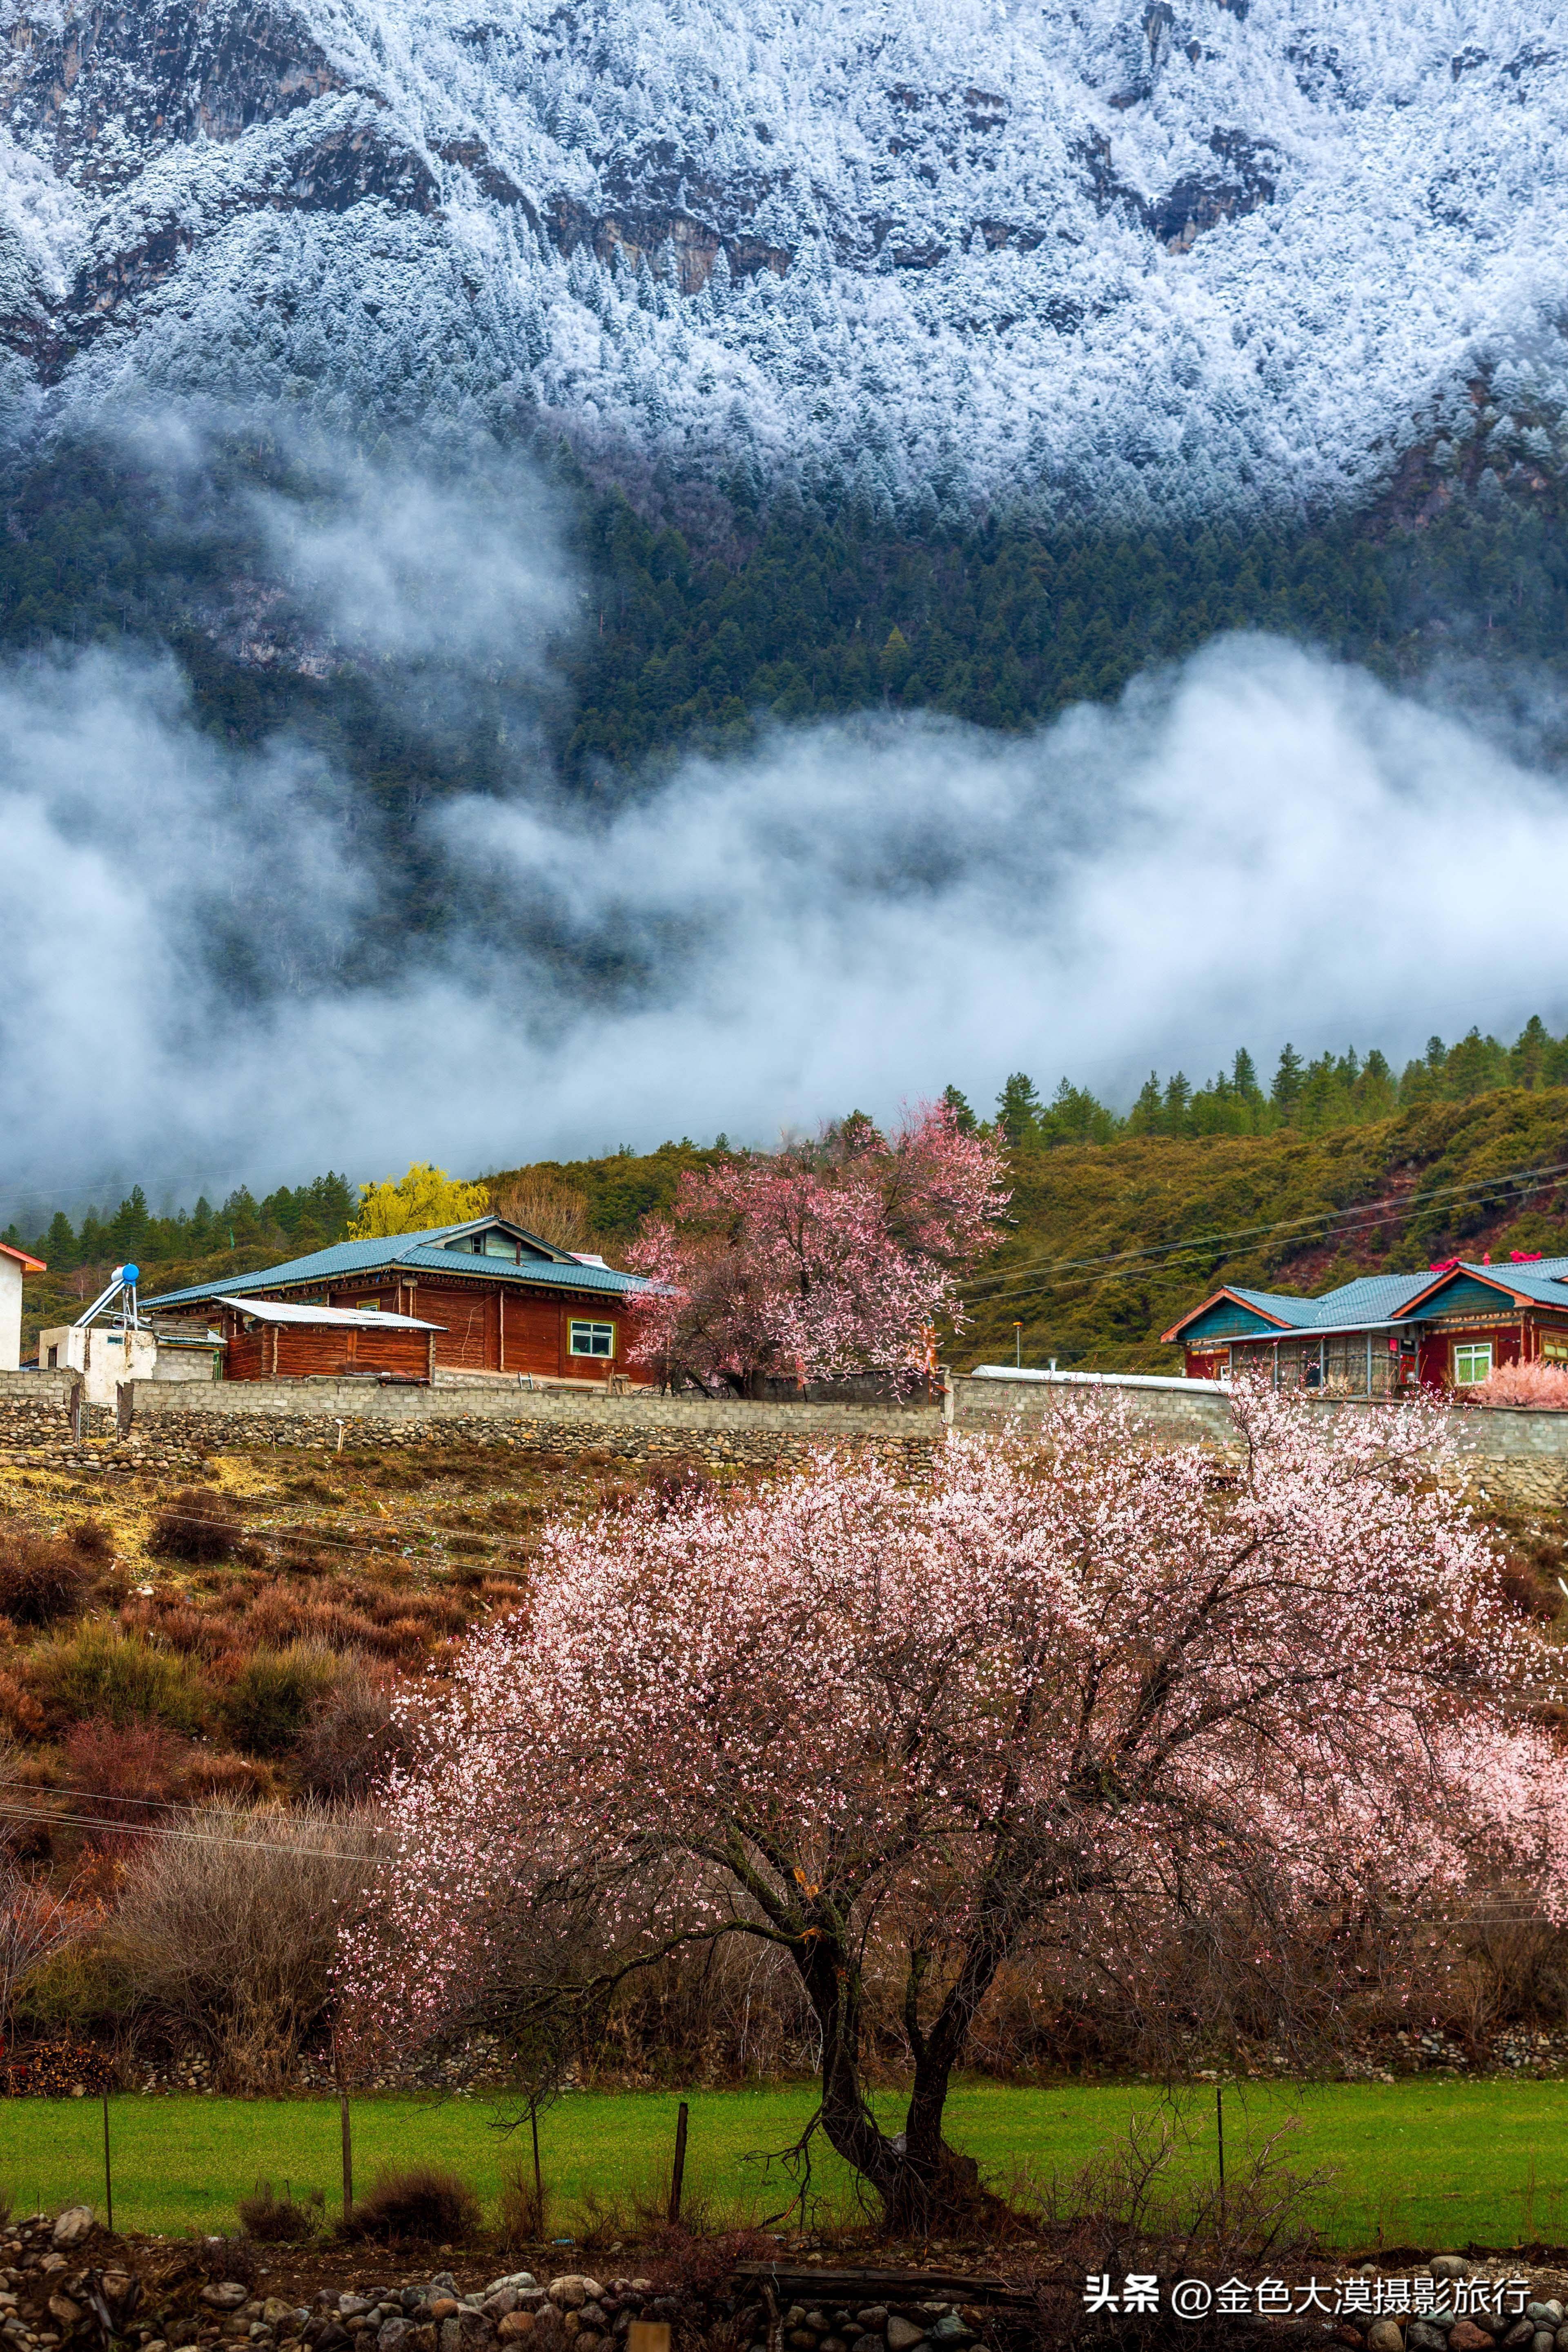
281 1542
1356 1218
155 1828
1368 1211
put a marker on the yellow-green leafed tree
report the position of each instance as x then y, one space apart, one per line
427 1196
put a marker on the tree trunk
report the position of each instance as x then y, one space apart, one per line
919 2180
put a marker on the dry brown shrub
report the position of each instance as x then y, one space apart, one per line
226 1938
420 2205
127 1772
196 1525
525 2205
19 1710
222 1778
286 2221
351 1741
1524 1590
42 1580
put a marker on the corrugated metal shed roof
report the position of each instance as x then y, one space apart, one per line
421 1252
358 1319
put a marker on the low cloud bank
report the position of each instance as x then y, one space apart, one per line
1255 846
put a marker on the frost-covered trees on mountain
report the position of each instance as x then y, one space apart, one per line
1162 259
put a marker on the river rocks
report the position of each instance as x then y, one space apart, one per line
1466 2337
571 2292
50 2301
1384 2336
72 2226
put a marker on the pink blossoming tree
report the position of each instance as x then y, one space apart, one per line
1056 1691
822 1259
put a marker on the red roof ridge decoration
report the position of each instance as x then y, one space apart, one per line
29 1265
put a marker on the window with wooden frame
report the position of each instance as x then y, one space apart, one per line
1554 1347
1472 1362
591 1339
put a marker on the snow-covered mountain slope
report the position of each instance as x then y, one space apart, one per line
1181 255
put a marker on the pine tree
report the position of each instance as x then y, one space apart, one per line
1529 1054
1147 1114
1018 1109
1288 1083
128 1232
963 1118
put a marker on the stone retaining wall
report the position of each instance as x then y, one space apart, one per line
1185 1413
1505 1454
319 1414
37 1410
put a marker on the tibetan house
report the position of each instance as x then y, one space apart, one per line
1385 1334
480 1297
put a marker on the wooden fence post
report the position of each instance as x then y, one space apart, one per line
678 2176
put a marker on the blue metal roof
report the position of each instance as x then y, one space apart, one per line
1381 1298
1275 1303
1544 1280
421 1252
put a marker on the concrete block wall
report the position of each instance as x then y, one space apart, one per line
317 1414
1505 1454
1181 1415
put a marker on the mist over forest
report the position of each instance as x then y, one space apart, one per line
412 804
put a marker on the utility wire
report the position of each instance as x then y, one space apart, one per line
1357 1218
154 1829
279 1542
1365 1210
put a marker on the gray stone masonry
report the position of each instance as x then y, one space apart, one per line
1506 1455
635 1428
1181 1415
36 1410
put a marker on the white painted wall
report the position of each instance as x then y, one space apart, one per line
99 1354
10 1314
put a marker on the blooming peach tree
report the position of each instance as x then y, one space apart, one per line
822 1259
1060 1687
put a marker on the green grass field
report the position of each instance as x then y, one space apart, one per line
1429 2162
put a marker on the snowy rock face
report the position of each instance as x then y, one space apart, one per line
1171 255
